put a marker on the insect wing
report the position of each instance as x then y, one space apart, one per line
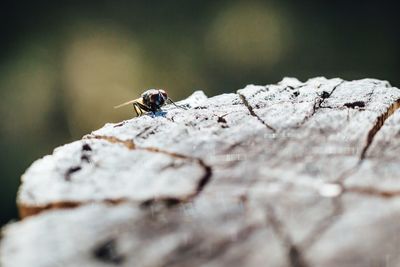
129 102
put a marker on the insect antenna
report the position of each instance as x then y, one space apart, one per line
182 107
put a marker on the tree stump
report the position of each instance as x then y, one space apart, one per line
293 174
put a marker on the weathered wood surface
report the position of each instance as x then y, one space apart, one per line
292 174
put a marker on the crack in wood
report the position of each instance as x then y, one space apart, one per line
131 145
127 143
142 132
370 191
296 258
370 137
294 253
26 210
378 125
338 209
250 108
187 250
85 158
325 224
70 171
319 101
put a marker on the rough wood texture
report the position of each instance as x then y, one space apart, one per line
293 174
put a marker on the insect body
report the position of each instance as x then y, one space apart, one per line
150 101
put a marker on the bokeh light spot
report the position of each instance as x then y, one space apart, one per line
248 33
103 66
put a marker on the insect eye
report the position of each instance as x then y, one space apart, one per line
153 97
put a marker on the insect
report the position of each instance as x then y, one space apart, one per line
150 101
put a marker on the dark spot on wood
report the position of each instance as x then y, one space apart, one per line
296 93
147 203
71 171
170 202
85 158
119 124
142 132
166 202
295 257
236 102
325 94
206 178
108 253
355 104
221 120
174 165
243 198
86 147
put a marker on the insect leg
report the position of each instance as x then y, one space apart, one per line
143 107
170 100
136 109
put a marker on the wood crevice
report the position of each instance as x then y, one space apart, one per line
319 101
252 113
338 209
374 192
325 224
378 125
294 253
203 181
370 137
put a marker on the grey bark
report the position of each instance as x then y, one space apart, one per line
292 174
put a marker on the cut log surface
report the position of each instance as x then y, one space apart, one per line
293 174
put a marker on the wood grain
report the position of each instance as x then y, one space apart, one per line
289 174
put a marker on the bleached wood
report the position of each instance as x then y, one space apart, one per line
290 174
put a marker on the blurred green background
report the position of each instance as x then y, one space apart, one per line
65 64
